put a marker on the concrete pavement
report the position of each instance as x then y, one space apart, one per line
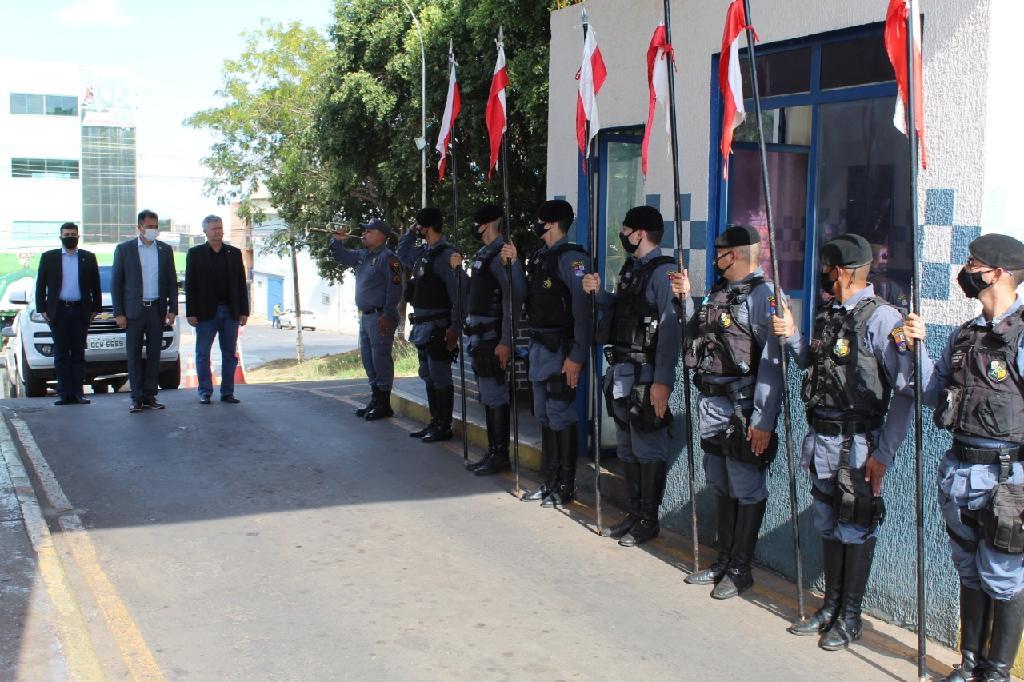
285 539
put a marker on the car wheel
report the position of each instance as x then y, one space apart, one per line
100 387
35 385
117 384
170 378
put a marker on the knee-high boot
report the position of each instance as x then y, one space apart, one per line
432 406
548 466
361 412
832 556
631 472
489 419
1007 626
975 615
499 459
652 490
442 429
568 449
738 577
856 570
726 512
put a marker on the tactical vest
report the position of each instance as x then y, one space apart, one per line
723 346
634 325
548 299
484 289
429 290
985 396
843 376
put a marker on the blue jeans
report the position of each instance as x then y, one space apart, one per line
225 328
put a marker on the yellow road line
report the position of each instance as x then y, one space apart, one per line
137 656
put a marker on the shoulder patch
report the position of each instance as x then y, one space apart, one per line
579 268
395 266
771 304
899 338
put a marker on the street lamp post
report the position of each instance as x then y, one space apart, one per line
421 141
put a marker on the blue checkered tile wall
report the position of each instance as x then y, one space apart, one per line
943 251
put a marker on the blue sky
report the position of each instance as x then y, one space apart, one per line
170 52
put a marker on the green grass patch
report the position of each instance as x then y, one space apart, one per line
347 365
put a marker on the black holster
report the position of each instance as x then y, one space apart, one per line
732 442
437 347
558 388
485 362
1000 519
641 412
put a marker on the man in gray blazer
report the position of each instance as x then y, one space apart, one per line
144 289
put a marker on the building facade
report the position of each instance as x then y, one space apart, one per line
836 164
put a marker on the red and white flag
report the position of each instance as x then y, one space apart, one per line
896 45
659 55
591 76
452 107
497 107
730 79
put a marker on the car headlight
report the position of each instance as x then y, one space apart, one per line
36 317
45 349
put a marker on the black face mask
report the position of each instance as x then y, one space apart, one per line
826 283
719 270
539 229
626 244
478 233
70 243
973 283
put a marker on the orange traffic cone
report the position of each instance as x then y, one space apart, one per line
239 368
189 378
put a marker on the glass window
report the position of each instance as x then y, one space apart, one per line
779 73
61 105
64 169
855 62
35 231
862 187
22 103
791 125
624 189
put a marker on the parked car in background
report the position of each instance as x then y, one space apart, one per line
29 354
308 319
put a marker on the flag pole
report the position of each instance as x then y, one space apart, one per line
678 224
592 392
787 425
460 275
922 625
511 299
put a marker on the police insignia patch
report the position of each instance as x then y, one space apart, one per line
394 265
997 371
725 319
899 338
547 283
396 279
842 348
578 268
771 304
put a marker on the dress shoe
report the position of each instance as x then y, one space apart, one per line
361 412
136 406
64 401
82 400
204 399
152 404
229 399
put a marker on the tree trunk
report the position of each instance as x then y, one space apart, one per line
300 348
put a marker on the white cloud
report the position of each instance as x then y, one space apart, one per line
93 13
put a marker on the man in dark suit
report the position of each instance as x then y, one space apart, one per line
68 297
216 304
144 289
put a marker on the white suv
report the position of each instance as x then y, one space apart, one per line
30 351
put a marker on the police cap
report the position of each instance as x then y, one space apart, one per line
380 225
998 251
555 211
487 213
846 251
429 217
738 235
644 218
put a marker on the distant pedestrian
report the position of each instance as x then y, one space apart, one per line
216 304
144 290
68 297
276 322
378 290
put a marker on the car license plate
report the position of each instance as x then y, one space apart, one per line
104 343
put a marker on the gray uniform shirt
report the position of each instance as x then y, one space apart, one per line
409 254
378 277
501 275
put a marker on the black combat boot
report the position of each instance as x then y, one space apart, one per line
652 490
442 429
499 459
631 472
1007 626
432 406
832 557
856 570
548 466
975 614
738 577
382 410
568 449
361 412
726 511
489 419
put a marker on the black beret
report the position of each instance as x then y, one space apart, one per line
846 251
429 217
644 218
738 235
998 251
555 210
487 213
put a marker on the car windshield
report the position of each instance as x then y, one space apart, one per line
105 271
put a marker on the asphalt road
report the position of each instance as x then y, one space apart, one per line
282 538
261 344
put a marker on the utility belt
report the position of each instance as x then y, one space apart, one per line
843 426
1001 521
482 328
736 390
640 415
554 341
436 347
618 356
732 442
485 363
371 311
432 317
852 500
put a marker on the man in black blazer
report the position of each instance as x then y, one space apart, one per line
216 304
68 297
144 289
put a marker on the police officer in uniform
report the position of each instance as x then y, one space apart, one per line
561 329
433 291
858 392
737 371
378 291
489 336
977 390
643 335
